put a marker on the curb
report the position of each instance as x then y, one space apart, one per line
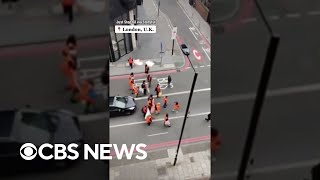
228 16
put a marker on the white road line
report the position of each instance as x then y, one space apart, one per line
176 93
201 66
249 20
193 33
274 17
188 67
296 15
269 169
209 126
312 13
270 93
156 120
195 67
189 17
208 65
206 53
157 134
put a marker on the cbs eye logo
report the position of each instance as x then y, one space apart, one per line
28 151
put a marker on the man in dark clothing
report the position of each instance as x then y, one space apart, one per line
143 85
149 79
209 117
169 81
146 69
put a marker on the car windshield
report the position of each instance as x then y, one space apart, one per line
121 102
37 120
184 46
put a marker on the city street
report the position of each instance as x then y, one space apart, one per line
285 144
134 125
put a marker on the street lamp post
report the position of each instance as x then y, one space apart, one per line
161 52
187 110
158 7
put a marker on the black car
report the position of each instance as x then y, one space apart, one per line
185 49
18 127
121 105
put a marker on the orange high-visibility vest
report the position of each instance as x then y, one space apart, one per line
148 119
165 100
176 107
158 107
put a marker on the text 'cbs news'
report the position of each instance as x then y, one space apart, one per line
29 151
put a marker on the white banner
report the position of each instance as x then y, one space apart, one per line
135 29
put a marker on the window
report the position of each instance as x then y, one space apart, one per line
121 102
40 121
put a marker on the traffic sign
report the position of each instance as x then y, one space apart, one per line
196 54
174 32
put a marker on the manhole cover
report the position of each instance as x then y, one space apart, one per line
162 171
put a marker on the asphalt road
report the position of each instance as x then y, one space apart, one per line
187 33
285 146
31 75
132 129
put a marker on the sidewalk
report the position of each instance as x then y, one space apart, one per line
197 20
193 163
35 21
149 46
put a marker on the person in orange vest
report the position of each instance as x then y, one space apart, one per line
131 76
215 140
67 6
165 101
136 91
66 68
149 120
149 80
176 107
158 90
149 104
130 60
166 120
158 108
73 81
84 91
131 85
144 110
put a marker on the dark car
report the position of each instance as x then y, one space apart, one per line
185 49
121 105
18 127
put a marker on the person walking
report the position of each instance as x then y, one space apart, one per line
166 120
209 117
169 81
144 87
176 107
131 76
73 81
130 60
149 120
136 91
146 69
67 6
165 101
149 80
144 110
131 85
158 108
158 90
149 104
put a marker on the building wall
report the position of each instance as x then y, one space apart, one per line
200 6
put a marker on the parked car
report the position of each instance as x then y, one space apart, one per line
121 105
185 49
20 126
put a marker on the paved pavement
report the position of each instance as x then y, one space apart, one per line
32 76
193 163
149 46
284 147
95 131
43 21
197 20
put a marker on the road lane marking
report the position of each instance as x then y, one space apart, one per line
204 50
249 20
270 93
208 65
201 66
312 13
295 15
270 169
274 17
176 93
157 134
193 32
156 120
